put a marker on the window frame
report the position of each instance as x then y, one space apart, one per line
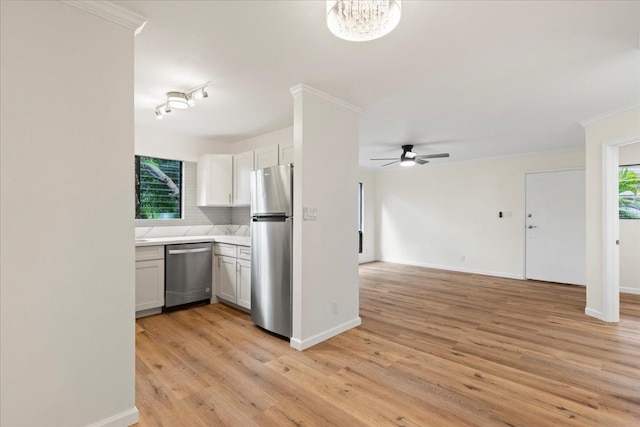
181 187
360 217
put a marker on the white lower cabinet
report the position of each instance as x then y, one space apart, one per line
149 277
232 274
244 283
226 269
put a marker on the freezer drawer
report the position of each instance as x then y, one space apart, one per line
271 274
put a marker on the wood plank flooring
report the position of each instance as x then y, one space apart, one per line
435 348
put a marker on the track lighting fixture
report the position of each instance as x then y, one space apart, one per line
180 100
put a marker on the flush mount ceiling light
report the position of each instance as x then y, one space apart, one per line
180 100
362 20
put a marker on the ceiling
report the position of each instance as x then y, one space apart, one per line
476 79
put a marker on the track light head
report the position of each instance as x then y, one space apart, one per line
199 93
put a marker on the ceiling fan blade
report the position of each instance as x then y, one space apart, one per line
387 164
421 162
432 156
392 158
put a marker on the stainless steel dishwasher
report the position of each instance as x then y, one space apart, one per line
187 275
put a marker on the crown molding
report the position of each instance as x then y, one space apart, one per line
111 12
588 122
305 90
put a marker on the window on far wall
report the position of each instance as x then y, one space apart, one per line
629 191
158 188
360 215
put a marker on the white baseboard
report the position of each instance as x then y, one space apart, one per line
456 268
318 338
366 259
123 419
626 290
594 313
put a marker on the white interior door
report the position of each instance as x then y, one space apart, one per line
555 226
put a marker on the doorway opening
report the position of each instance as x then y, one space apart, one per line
611 228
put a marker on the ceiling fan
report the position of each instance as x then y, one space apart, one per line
409 158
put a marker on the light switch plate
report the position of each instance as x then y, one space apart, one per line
309 214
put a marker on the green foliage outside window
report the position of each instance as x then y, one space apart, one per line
629 192
158 188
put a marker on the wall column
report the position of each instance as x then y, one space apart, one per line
325 248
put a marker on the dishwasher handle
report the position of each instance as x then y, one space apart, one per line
188 251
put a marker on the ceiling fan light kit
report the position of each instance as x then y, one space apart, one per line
407 162
180 100
362 20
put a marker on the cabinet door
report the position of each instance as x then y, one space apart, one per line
244 283
226 278
149 284
266 157
242 167
286 154
215 180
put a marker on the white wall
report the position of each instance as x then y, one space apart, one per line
434 215
67 277
325 252
164 144
281 136
621 125
368 180
630 233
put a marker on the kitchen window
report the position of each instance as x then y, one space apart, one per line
158 188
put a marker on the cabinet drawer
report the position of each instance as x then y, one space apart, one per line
145 253
224 249
244 252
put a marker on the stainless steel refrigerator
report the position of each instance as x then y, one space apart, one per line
271 239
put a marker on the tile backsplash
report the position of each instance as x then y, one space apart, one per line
196 215
189 230
241 215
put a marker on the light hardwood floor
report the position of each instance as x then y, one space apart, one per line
435 348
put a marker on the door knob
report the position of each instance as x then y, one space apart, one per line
532 226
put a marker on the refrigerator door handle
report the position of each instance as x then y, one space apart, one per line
271 218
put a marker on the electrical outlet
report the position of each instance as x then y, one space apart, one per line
463 258
334 307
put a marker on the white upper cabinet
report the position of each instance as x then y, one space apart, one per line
266 157
286 154
273 156
242 167
215 180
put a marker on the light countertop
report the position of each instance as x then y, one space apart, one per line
234 240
